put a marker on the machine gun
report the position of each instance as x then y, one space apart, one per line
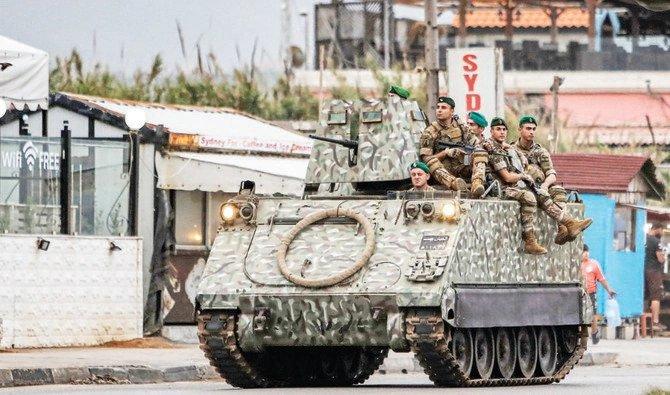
351 144
468 149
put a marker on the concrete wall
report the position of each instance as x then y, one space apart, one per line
77 293
623 270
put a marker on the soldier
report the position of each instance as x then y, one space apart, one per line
420 174
542 170
508 165
449 166
477 124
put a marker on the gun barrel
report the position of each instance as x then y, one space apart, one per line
351 144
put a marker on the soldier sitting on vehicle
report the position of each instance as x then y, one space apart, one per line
541 168
507 165
420 174
477 124
443 149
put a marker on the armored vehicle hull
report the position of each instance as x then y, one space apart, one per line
314 292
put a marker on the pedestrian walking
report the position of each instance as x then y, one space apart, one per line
592 275
654 258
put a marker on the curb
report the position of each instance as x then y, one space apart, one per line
395 363
131 374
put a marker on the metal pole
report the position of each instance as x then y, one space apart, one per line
462 27
304 15
387 36
554 124
431 58
133 188
591 6
65 179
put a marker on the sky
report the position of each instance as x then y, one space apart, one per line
126 35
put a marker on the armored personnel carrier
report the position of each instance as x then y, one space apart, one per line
316 291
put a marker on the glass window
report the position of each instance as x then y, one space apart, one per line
337 118
372 116
30 185
189 217
100 187
624 228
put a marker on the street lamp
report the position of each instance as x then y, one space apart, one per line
3 108
304 15
135 118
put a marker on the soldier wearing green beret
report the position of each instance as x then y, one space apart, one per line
420 174
541 168
477 124
508 165
448 166
399 91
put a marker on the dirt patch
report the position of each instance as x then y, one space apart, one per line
146 342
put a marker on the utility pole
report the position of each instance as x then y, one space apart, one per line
554 122
387 34
431 57
462 28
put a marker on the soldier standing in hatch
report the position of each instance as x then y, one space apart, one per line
420 174
448 166
541 168
507 165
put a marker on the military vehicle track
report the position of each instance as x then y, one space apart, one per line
432 347
282 367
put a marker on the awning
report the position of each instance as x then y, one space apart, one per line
212 172
24 75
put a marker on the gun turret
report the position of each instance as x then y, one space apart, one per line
351 144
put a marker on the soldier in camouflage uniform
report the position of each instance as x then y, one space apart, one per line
507 165
419 174
477 124
541 168
448 166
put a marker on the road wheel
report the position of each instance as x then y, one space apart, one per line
484 350
461 349
505 347
526 351
547 350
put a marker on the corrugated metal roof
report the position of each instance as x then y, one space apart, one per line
236 130
619 136
571 17
602 173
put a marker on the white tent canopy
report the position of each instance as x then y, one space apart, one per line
24 75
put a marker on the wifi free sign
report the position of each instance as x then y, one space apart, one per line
475 80
29 155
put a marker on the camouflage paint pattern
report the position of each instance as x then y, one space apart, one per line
318 320
386 146
483 246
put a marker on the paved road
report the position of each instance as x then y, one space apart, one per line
590 380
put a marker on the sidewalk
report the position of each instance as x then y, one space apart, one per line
158 360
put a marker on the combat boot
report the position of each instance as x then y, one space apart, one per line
458 184
477 188
576 226
562 235
531 245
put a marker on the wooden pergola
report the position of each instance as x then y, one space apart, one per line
553 9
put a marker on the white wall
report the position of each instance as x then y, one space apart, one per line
77 293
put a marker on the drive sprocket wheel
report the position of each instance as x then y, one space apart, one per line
282 366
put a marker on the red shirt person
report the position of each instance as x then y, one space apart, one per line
592 275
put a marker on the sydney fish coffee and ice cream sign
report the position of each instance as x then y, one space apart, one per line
35 157
474 77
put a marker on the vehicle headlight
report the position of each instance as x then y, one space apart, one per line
411 210
427 210
247 211
450 211
228 212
